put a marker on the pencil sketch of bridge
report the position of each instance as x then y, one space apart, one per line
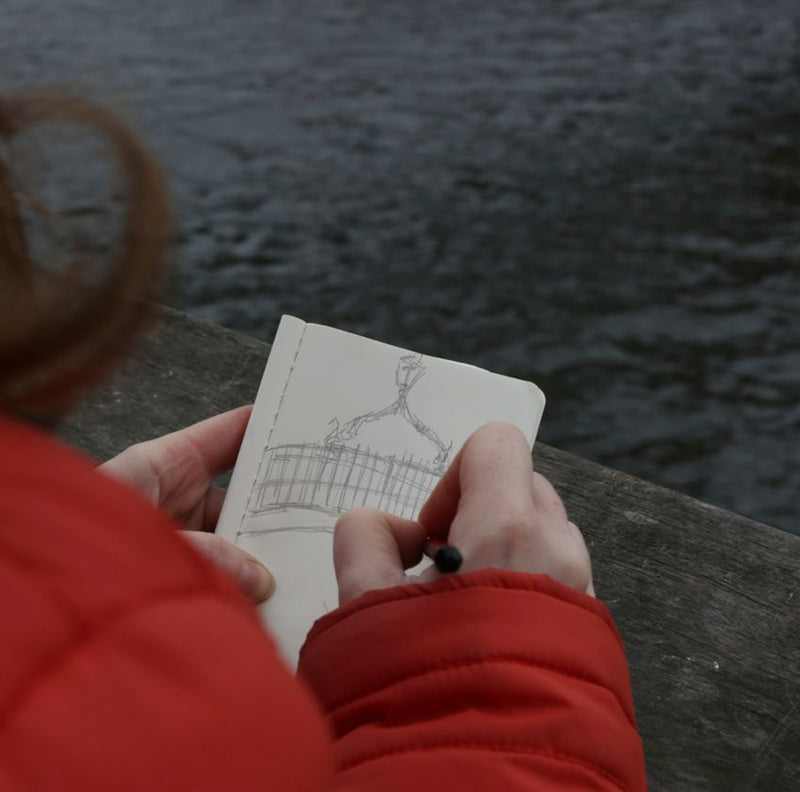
339 473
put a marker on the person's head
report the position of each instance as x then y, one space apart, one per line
61 329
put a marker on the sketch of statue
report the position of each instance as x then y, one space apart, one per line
409 371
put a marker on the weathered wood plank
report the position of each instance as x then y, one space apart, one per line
708 602
187 370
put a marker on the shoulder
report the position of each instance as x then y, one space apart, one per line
132 659
83 540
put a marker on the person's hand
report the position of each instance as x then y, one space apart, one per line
490 504
174 472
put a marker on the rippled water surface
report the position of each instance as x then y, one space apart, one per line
600 196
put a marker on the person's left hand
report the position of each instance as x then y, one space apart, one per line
174 473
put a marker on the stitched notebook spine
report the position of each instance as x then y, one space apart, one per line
273 423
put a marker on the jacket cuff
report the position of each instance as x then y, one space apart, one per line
497 641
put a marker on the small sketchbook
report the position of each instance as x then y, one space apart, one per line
342 421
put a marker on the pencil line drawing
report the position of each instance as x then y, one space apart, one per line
409 370
307 529
336 474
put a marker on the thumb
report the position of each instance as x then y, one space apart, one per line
372 550
253 579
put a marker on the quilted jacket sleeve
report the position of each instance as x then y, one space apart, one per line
489 680
179 692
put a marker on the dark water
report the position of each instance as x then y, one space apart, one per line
601 196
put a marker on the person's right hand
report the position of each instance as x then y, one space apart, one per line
490 504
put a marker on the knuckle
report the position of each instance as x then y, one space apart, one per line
516 534
517 524
573 569
138 452
349 591
509 543
132 455
217 549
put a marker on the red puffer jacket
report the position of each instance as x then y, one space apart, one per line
128 663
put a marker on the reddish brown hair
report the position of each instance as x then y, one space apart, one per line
60 332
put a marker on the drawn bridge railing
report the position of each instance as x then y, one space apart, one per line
334 479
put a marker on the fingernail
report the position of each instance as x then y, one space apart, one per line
256 580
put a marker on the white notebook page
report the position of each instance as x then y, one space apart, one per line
343 421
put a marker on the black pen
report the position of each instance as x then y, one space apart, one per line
446 557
